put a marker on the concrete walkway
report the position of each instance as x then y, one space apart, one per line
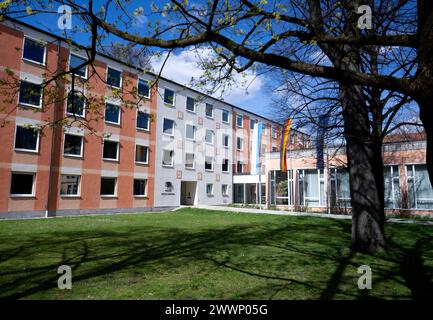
304 214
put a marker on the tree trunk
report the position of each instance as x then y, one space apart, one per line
364 158
425 104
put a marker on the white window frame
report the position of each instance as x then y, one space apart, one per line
145 190
212 190
172 159
194 131
274 133
115 188
228 165
228 116
174 124
84 106
19 195
225 194
120 113
117 153
86 66
82 146
148 120
242 121
193 163
213 111
255 123
78 188
237 166
212 164
45 51
195 105
242 144
135 154
212 135
41 99
228 140
121 77
26 150
174 98
148 83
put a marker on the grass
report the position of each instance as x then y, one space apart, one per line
199 254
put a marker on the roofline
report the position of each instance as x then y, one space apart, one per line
142 70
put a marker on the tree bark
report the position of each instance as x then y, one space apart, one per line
365 163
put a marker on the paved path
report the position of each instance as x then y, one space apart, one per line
303 214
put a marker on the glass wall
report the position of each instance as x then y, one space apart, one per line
340 188
281 187
391 179
311 188
238 193
420 192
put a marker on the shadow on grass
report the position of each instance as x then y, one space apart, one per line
308 256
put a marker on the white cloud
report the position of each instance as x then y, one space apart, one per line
184 66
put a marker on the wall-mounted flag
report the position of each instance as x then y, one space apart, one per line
320 141
256 147
284 139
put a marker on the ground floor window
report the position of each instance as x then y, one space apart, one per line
340 188
209 189
69 185
140 187
311 188
249 193
281 187
108 186
224 190
22 184
419 189
391 181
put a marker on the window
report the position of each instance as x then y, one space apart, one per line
141 154
340 188
225 190
190 132
189 161
391 181
34 50
252 124
190 104
108 186
419 189
76 104
73 145
239 143
167 158
22 184
209 110
26 139
168 127
69 185
142 120
311 188
239 167
239 121
274 133
169 97
112 113
143 88
209 189
225 165
226 140
281 187
30 94
140 187
225 116
114 77
208 164
75 61
209 136
110 150
274 149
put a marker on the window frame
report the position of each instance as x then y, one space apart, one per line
241 126
194 105
26 150
25 104
23 195
225 194
81 149
211 194
213 111
121 77
119 110
228 165
242 144
228 141
117 151
148 84
44 63
86 66
78 187
193 162
222 116
212 164
114 195
148 120
173 103
194 131
172 129
83 116
212 135
145 188
147 154
172 158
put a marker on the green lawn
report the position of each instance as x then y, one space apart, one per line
199 254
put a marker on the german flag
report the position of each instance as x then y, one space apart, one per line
284 138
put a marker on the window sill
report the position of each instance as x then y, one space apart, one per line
167 166
209 117
190 169
112 123
36 63
207 170
28 105
71 196
168 105
68 114
111 160
108 197
141 196
27 151
78 157
113 87
22 196
142 129
142 163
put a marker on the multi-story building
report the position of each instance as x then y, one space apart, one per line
119 141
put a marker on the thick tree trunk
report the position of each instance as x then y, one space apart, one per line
364 157
425 104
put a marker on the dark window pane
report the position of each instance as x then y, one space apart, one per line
168 126
168 96
108 186
34 50
225 166
225 116
143 88
142 120
112 113
26 138
72 145
76 61
22 183
113 77
69 185
190 104
140 187
141 154
209 110
76 104
30 93
110 150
